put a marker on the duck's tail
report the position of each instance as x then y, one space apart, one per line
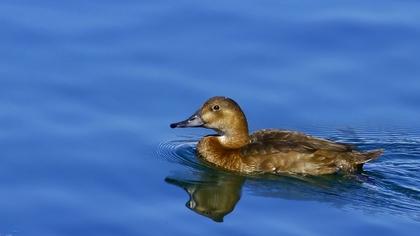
354 160
360 158
364 157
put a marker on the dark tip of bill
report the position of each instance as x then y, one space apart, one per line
173 125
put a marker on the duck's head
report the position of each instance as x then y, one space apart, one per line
223 115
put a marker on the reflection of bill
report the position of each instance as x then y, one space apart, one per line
213 197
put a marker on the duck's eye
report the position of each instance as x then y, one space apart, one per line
216 107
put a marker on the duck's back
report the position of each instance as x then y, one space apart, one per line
287 151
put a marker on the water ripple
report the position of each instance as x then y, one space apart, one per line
182 152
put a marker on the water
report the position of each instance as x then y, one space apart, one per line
88 89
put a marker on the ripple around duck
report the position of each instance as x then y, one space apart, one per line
181 152
389 185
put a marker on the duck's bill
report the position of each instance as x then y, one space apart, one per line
193 121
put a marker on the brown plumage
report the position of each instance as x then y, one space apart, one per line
268 150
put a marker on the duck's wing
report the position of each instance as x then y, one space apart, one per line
271 141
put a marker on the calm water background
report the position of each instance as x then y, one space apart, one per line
88 88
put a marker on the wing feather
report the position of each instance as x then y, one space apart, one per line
270 141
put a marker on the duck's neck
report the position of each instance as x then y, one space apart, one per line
235 138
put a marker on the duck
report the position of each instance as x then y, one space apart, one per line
267 151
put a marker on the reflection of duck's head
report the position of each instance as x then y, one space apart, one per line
213 199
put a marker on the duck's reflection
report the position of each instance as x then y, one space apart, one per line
213 196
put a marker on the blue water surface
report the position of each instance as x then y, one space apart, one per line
88 89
